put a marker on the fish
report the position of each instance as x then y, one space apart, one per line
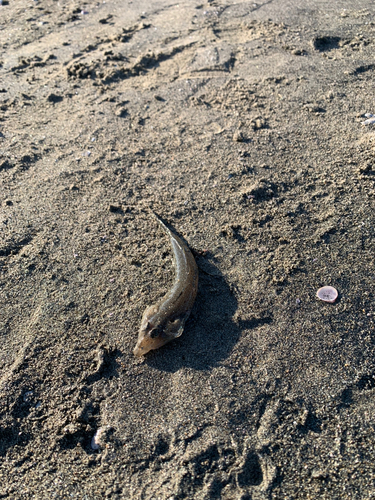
165 320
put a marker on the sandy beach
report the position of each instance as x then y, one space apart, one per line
241 124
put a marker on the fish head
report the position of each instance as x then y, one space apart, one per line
152 334
150 337
156 330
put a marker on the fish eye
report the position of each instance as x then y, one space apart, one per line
155 332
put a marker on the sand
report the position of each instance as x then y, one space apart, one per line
240 124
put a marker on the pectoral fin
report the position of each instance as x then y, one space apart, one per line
176 327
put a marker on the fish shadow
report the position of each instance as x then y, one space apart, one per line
210 333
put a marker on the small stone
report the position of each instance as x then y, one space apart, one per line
27 397
258 124
98 440
54 98
318 474
365 168
121 112
228 231
238 136
115 208
370 119
71 428
105 20
314 108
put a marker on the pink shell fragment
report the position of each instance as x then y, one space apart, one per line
327 293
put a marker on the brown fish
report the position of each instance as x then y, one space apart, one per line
165 320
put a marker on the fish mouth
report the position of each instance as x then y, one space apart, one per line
144 346
138 351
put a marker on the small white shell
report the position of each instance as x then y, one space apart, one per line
96 441
370 119
327 294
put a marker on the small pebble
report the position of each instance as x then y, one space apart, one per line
327 294
238 136
258 124
97 441
370 119
27 397
114 208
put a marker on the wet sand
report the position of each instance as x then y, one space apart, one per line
240 124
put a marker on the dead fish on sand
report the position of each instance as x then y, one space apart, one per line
165 320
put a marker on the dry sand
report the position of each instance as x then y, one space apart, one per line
240 123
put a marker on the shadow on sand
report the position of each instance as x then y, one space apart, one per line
210 333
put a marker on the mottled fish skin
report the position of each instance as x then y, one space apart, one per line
165 320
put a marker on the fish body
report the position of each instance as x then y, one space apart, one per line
165 320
